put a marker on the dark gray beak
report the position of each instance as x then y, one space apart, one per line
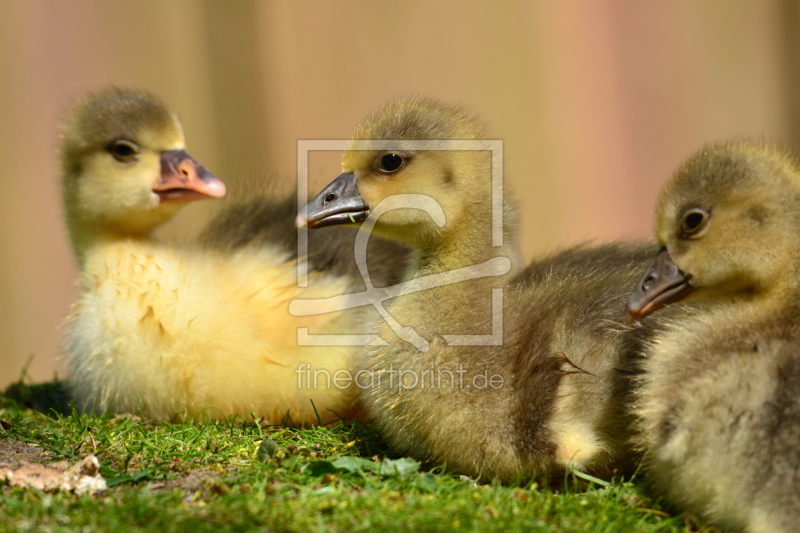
663 283
338 203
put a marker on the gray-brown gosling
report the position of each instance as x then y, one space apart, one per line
719 399
540 388
165 330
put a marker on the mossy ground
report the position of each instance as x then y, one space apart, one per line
208 476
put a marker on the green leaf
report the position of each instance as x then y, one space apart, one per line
399 467
426 482
132 478
268 448
320 468
354 464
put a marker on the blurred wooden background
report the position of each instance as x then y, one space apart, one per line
596 101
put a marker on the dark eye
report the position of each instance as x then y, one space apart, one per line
390 163
124 150
693 221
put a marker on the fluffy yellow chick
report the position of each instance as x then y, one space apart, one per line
164 330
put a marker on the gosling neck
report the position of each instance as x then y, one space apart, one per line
466 244
772 301
87 237
779 297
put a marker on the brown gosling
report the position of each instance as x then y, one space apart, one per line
542 389
719 401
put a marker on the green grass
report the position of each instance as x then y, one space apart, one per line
208 477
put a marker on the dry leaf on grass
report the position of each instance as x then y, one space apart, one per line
83 477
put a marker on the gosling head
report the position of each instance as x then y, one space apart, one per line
729 227
125 167
380 163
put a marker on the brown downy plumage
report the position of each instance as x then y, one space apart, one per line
163 329
719 400
547 390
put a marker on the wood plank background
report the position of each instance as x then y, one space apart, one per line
597 101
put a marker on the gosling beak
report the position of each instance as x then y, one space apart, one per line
185 180
663 283
338 203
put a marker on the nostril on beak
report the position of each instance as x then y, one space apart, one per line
647 283
331 197
185 169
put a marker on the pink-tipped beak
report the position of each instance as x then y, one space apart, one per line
185 180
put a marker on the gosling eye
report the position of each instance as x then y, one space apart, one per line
124 150
390 163
693 221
